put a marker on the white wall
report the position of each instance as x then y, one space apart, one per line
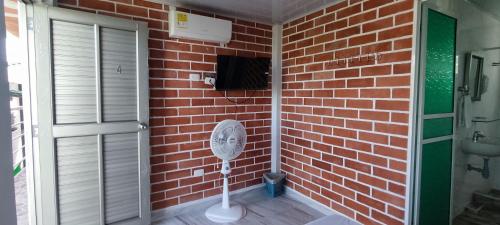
7 203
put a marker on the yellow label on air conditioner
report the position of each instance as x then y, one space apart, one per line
182 19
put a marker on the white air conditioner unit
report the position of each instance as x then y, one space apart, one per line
200 28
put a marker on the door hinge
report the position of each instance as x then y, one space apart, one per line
34 130
29 22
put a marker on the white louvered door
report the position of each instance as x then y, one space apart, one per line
92 107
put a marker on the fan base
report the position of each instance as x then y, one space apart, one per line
220 215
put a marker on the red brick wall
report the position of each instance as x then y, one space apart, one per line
184 112
11 17
345 124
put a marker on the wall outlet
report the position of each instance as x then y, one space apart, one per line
210 81
198 173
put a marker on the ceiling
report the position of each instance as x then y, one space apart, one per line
491 6
264 11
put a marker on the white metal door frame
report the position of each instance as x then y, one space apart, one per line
419 117
46 186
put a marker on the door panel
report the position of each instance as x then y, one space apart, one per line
74 72
439 127
92 102
436 183
120 174
440 69
78 180
119 80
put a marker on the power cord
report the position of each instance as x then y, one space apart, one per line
235 101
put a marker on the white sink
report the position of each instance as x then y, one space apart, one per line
484 147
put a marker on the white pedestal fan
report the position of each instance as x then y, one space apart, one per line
227 142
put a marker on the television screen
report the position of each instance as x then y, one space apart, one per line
241 73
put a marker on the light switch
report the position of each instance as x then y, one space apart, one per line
194 77
199 173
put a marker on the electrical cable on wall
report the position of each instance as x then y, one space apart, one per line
245 101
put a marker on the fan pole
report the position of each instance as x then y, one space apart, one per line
226 170
225 194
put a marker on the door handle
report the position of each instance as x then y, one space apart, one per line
143 126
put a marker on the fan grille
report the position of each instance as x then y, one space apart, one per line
228 139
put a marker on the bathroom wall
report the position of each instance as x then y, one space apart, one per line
477 30
346 103
184 112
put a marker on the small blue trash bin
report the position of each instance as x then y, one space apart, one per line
274 183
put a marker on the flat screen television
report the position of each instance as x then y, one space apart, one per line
241 73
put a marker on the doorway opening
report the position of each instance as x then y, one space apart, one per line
17 73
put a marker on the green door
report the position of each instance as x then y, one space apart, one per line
436 118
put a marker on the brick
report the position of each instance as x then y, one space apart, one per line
395 8
356 206
324 19
333 141
324 38
346 113
404 18
331 195
154 14
322 165
393 81
360 83
359 167
390 152
315 14
348 32
395 200
402 68
336 25
398 213
359 104
392 105
314 49
364 39
365 16
314 32
378 25
373 181
148 4
344 54
391 128
349 11
374 115
347 73
346 93
376 51
99 5
337 6
375 93
372 137
375 3
335 45
131 10
395 32
399 142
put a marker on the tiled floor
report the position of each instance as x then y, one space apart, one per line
484 217
21 198
261 210
489 213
